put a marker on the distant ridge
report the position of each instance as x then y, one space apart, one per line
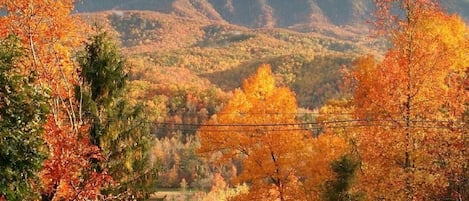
299 15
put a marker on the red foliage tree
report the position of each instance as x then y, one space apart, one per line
67 174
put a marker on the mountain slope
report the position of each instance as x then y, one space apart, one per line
223 54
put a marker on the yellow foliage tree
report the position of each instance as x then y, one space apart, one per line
413 102
258 127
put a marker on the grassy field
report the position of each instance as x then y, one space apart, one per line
173 194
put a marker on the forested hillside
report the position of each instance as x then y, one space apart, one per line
221 53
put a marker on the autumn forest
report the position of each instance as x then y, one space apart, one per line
204 100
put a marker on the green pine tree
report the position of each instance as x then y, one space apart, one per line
340 189
23 111
118 128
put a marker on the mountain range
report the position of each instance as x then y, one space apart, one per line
300 15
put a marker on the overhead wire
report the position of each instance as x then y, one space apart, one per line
304 126
301 126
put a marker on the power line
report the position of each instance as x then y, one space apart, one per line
254 128
322 123
287 124
300 126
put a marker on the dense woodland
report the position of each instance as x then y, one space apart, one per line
124 105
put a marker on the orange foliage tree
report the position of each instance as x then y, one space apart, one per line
50 34
412 147
258 127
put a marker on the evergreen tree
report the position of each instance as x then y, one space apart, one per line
104 79
118 128
340 188
23 110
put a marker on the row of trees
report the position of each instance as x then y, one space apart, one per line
67 130
404 127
